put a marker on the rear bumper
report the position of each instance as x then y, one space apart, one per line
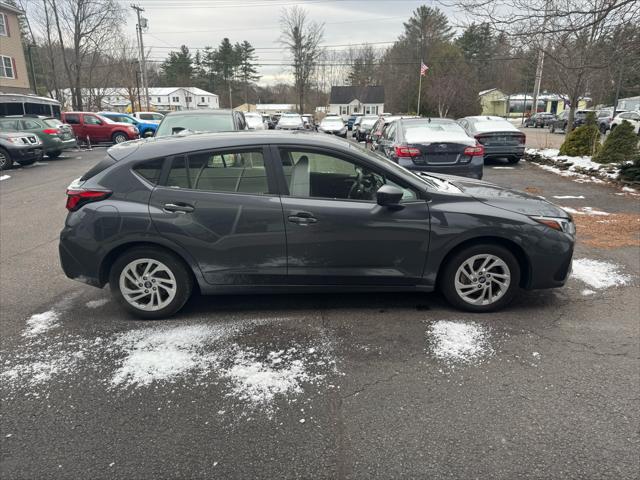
473 169
504 151
74 268
54 146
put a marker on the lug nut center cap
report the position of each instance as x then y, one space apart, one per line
147 284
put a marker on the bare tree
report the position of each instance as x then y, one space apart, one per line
571 34
302 38
84 28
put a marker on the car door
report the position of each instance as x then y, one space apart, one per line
223 208
336 232
94 128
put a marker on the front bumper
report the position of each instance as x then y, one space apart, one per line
473 169
26 154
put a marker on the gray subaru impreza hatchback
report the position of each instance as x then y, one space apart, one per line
269 212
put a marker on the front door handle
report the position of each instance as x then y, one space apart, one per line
302 218
178 207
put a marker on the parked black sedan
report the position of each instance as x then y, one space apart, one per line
433 145
282 212
539 120
498 136
562 120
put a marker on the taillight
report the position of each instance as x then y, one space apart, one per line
50 131
404 151
78 198
476 151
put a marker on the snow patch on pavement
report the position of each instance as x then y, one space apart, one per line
585 211
101 302
459 342
581 169
5 177
41 323
563 197
598 274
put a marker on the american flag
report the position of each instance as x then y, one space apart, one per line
423 69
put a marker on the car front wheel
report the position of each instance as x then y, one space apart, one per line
5 160
119 137
150 282
480 278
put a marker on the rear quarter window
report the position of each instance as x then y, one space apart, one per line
97 168
150 170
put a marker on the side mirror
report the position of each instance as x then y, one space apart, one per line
389 196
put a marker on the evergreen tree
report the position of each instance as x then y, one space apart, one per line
584 140
247 70
620 146
177 69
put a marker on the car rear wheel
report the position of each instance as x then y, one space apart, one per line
150 282
5 160
54 154
119 137
480 278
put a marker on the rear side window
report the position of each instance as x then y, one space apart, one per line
99 167
150 170
72 119
238 172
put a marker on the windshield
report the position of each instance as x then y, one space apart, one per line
173 124
52 122
105 119
253 120
121 118
332 123
368 121
290 120
151 116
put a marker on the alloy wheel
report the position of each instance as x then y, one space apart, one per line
4 161
482 279
147 284
120 138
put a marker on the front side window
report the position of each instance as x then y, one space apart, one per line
312 174
237 172
6 67
91 120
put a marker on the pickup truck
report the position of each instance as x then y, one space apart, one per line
99 129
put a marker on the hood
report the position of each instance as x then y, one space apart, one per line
506 198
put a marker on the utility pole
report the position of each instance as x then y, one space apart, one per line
615 104
540 64
142 23
133 109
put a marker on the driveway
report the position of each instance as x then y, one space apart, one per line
319 386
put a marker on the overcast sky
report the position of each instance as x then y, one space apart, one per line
200 23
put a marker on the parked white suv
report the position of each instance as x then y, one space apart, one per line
632 117
149 117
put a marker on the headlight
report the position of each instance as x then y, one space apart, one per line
565 225
15 140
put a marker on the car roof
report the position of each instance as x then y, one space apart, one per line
148 148
484 118
427 120
203 111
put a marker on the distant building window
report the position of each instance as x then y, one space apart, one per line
176 99
6 67
189 99
201 99
159 99
4 25
344 110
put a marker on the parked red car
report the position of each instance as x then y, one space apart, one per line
99 129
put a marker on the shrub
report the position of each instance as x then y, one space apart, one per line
620 146
584 140
631 171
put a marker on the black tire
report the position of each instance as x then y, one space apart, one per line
181 272
119 137
5 160
54 154
446 281
513 160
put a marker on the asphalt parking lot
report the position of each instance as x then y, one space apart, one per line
318 386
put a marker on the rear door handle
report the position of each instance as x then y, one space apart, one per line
178 207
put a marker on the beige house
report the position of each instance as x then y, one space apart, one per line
493 102
13 66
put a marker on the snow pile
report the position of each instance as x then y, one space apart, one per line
564 197
41 323
457 341
585 211
5 177
598 274
162 354
581 169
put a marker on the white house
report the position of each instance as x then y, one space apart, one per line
160 98
346 100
